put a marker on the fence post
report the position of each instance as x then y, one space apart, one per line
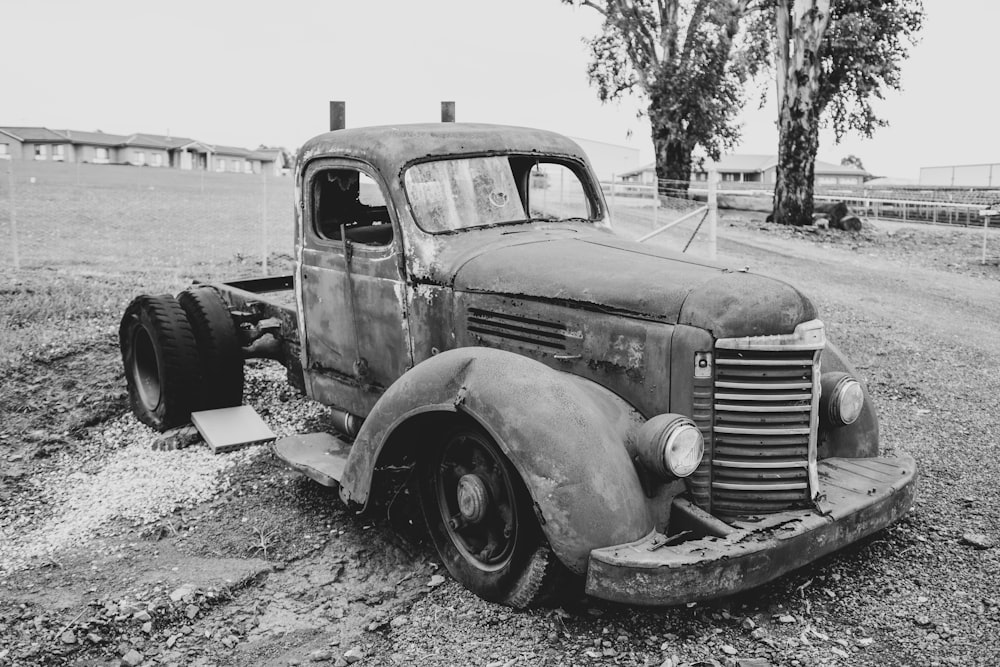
13 215
263 222
611 201
656 199
713 212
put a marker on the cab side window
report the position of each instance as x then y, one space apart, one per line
350 200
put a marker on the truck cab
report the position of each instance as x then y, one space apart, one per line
570 402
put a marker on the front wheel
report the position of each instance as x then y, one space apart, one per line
480 519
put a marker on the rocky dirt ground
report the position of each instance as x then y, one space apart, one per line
113 553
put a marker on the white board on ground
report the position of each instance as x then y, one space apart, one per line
226 429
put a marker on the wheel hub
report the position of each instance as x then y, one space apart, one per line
473 498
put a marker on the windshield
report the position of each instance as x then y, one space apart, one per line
450 195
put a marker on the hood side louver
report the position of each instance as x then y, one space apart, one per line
526 330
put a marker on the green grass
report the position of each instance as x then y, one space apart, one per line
89 238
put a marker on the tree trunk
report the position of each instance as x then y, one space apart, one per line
673 158
800 34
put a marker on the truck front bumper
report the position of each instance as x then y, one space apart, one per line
858 497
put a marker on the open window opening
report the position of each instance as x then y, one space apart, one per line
349 199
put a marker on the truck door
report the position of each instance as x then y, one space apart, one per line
353 298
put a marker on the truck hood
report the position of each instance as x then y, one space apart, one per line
607 273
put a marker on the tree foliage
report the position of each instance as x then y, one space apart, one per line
687 60
852 161
863 50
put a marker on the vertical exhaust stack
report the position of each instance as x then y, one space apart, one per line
338 115
447 112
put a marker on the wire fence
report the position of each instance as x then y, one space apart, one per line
934 205
165 223
672 211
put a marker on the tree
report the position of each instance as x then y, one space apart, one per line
686 60
833 59
801 25
852 161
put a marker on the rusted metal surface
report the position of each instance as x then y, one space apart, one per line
559 338
564 436
861 497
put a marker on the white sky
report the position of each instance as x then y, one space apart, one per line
242 73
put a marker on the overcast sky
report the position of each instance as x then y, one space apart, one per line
241 73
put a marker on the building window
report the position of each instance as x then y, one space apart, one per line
236 165
138 158
41 152
100 155
4 150
247 169
220 164
157 160
59 152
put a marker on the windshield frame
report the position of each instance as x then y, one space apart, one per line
579 168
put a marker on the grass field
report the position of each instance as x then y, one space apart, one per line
90 237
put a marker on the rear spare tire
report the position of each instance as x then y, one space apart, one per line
218 345
160 359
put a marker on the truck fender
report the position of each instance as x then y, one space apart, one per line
857 440
564 435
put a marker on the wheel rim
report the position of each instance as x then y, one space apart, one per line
145 370
477 502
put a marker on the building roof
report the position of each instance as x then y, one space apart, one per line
156 141
268 154
34 134
234 151
93 138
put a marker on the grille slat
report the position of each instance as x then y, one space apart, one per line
764 405
504 326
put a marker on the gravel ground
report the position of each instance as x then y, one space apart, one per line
268 568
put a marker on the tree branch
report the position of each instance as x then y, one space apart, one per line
596 7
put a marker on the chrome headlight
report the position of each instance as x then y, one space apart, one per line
842 399
670 445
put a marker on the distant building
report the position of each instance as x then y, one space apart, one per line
32 143
139 149
609 160
962 175
761 169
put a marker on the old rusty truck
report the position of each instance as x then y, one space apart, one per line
566 401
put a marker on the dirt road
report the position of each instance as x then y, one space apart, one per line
274 572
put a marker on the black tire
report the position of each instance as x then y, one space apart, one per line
495 546
218 348
160 359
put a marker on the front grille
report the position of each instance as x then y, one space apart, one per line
764 425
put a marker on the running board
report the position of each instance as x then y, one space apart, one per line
318 456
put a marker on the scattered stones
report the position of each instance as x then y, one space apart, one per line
177 438
748 624
179 594
399 621
320 655
922 620
786 618
68 637
979 540
191 611
132 659
728 650
435 581
353 655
